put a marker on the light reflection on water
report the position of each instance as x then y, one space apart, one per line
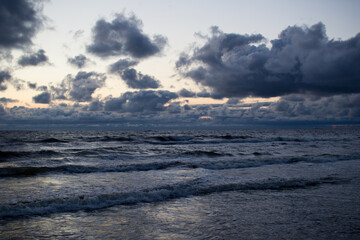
304 213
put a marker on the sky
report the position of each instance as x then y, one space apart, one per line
178 64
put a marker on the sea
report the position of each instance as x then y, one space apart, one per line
180 184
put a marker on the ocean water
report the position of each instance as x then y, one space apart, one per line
233 184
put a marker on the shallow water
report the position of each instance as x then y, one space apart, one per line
248 184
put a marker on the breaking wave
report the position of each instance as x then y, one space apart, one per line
167 192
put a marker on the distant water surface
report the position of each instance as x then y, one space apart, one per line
244 184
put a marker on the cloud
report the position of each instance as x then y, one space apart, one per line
233 101
2 110
137 80
186 93
78 34
33 59
302 60
132 78
78 61
44 98
124 36
4 77
141 101
32 85
20 20
18 84
96 105
121 65
42 88
343 106
79 88
5 54
206 94
160 109
7 100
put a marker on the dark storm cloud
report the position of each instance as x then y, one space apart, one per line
132 78
302 60
137 80
78 61
344 106
33 59
4 77
96 106
187 107
84 84
186 93
206 94
44 98
124 36
2 110
79 88
141 101
61 91
121 65
19 22
233 101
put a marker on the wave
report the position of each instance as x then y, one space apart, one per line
106 139
223 139
200 153
185 164
5 155
231 137
168 139
9 154
116 139
164 193
32 171
250 163
51 140
70 140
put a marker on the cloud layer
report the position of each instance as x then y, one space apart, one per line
148 109
302 60
141 101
